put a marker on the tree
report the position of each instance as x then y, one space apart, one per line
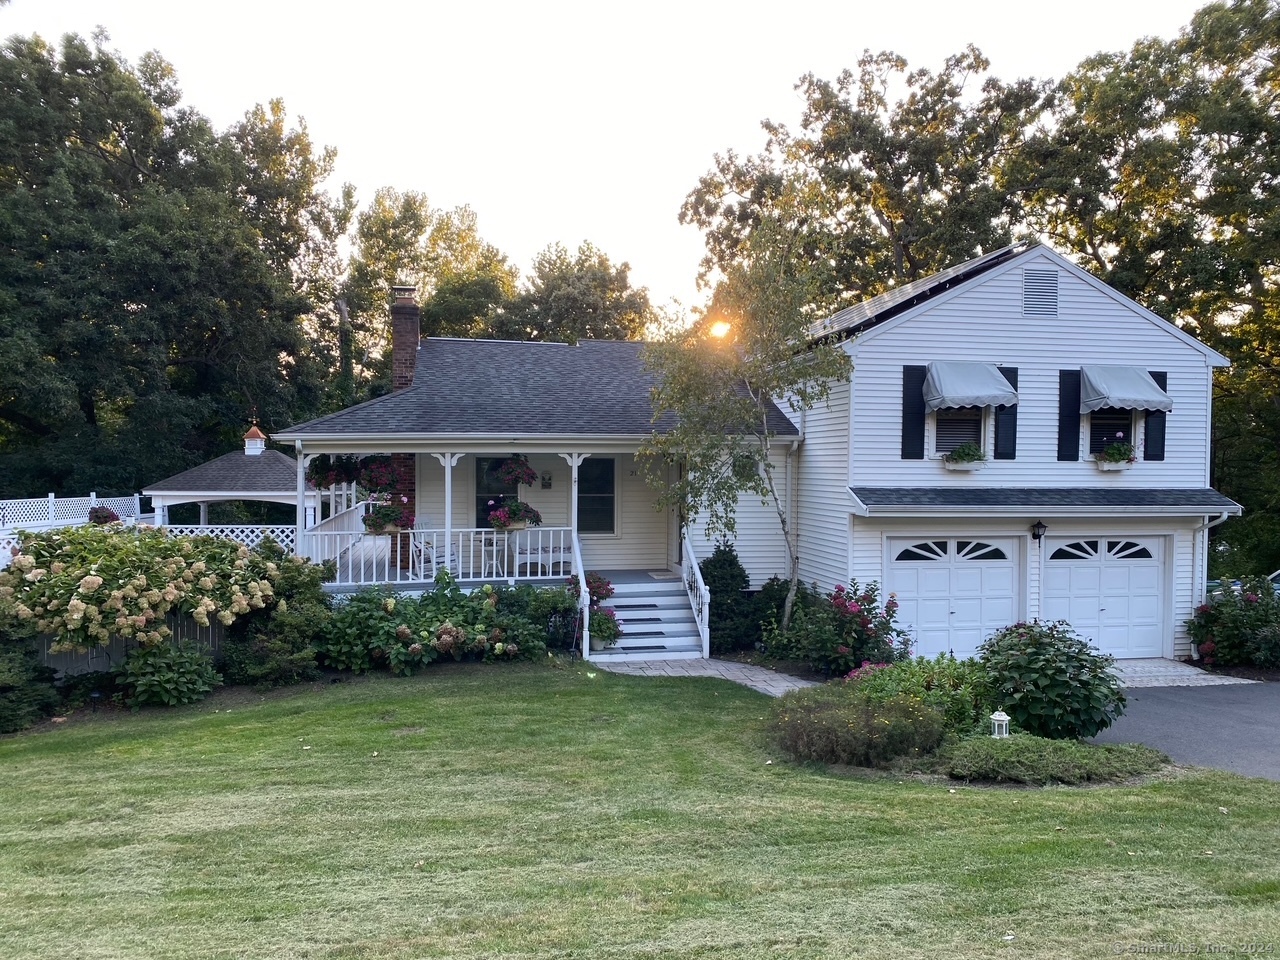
148 303
720 384
1159 168
401 239
571 297
872 193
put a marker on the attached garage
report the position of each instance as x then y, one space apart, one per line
1124 566
1111 590
953 593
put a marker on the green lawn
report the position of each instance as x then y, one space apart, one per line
537 812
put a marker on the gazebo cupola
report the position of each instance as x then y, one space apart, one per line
255 442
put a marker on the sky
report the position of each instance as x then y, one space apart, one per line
564 121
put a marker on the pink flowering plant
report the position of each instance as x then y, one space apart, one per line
1239 627
516 470
84 586
327 471
381 475
839 631
390 512
1119 450
503 513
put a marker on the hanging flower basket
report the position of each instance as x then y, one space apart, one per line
516 470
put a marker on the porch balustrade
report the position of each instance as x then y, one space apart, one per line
364 557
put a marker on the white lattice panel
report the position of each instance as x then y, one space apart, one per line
7 543
249 536
16 513
74 508
123 506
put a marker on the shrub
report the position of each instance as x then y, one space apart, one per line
957 689
166 675
1051 682
846 628
103 515
374 628
1239 627
1023 758
277 645
730 616
27 693
552 611
88 584
839 724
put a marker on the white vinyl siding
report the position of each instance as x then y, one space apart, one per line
985 323
758 541
823 500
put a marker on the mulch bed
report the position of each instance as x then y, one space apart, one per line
1267 674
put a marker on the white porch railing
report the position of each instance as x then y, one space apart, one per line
584 599
699 595
364 558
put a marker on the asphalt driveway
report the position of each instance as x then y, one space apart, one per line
1234 727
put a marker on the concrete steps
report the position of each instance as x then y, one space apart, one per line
657 623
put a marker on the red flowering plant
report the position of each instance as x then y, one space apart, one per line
516 470
598 589
836 633
504 513
326 471
1239 626
380 475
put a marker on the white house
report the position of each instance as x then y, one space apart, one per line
1018 354
1042 366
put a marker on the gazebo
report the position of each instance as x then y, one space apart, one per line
255 473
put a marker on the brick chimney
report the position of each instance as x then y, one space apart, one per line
406 331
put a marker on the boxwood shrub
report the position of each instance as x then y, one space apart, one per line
1023 758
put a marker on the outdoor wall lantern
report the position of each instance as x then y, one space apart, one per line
546 479
999 725
1038 530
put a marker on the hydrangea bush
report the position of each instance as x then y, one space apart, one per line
85 585
835 633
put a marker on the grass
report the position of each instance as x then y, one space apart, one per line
537 812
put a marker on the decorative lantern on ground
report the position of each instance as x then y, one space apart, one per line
999 725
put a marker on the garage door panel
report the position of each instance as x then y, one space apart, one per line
957 592
1110 590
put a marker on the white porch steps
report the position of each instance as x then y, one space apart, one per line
657 623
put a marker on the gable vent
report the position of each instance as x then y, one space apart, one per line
1040 293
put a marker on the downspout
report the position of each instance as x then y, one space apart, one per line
1202 548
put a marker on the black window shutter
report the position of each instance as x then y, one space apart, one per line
913 412
1068 414
1007 422
1154 447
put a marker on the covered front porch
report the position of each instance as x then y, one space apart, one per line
597 514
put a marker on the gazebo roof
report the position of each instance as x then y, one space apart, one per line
269 472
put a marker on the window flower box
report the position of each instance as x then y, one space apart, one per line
1109 465
964 466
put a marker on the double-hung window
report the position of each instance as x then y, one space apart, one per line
597 495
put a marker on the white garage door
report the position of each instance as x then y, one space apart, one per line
953 594
1110 590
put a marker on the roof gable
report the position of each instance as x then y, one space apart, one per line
886 312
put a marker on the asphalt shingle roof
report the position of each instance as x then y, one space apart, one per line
502 387
868 313
269 472
1195 500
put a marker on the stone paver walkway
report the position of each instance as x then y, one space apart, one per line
1133 673
1169 673
761 679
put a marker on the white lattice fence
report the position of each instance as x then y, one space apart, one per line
50 511
7 543
286 536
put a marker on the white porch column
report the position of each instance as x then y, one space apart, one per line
574 460
448 461
302 499
204 513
